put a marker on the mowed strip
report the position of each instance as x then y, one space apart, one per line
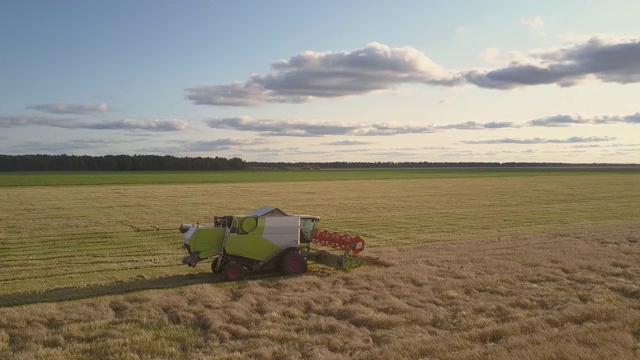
62 236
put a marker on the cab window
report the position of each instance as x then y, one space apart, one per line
306 230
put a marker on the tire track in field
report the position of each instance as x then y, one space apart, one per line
70 273
89 259
38 266
35 264
87 236
65 247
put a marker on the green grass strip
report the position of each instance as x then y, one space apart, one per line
260 176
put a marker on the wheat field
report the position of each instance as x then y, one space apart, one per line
498 267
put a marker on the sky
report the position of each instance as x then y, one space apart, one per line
323 81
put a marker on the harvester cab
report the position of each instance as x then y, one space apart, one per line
266 239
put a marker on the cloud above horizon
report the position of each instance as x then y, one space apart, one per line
311 75
66 147
534 24
140 124
307 128
346 143
317 128
220 144
537 140
71 109
566 120
607 59
125 124
313 128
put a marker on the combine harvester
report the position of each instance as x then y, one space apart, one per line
266 239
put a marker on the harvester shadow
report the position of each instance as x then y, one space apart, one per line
117 288
123 287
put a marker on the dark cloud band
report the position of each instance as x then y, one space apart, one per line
74 109
315 128
125 124
537 140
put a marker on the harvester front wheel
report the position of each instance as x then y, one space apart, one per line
233 271
293 263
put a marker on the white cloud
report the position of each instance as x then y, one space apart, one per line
491 55
534 24
311 75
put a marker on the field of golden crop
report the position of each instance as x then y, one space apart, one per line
499 267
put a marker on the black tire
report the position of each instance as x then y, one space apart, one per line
233 271
293 263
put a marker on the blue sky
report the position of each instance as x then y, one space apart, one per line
543 81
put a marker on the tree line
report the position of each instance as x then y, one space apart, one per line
116 163
171 163
419 164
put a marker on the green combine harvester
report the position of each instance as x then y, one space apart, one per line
266 239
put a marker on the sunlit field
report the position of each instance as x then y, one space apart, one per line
482 264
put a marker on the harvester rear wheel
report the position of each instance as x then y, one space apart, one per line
233 271
293 263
